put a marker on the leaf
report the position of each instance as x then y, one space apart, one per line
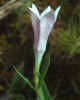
40 95
24 78
43 92
46 91
16 82
45 68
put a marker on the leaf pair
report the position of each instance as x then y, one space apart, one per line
43 92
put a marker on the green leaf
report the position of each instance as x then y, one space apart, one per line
24 78
43 92
46 91
40 95
16 79
45 67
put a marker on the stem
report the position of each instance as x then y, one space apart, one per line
36 73
38 59
36 81
40 94
36 76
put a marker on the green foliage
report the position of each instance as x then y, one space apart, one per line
17 97
18 88
44 68
24 78
68 40
23 9
77 11
17 82
44 92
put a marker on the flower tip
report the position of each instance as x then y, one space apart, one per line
33 6
29 9
57 10
49 7
35 10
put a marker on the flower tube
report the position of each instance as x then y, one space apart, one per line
42 25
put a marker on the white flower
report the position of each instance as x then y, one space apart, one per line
42 25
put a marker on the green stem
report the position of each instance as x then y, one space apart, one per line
36 72
36 81
36 76
40 94
38 59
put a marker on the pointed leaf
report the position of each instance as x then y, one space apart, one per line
16 77
46 91
40 95
24 78
43 92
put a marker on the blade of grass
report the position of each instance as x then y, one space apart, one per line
24 78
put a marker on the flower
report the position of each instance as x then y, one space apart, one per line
42 25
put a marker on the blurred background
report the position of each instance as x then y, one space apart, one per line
16 48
